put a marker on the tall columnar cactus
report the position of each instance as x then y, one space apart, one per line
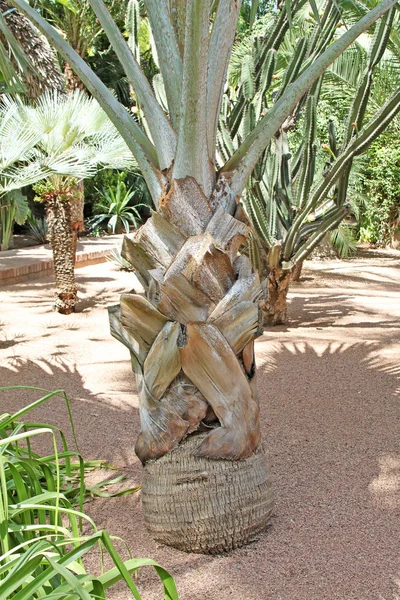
291 205
191 335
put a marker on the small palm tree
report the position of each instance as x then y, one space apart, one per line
19 166
71 138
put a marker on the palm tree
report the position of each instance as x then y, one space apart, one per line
81 29
191 336
73 139
28 66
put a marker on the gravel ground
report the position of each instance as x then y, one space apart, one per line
330 394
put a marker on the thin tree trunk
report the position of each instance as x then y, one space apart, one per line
192 347
58 215
74 83
275 305
296 272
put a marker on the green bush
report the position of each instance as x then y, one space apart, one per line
109 179
118 208
41 542
380 192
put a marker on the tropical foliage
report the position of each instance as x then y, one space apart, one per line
295 196
74 139
119 208
379 193
42 547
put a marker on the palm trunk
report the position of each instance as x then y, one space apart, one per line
192 347
77 206
72 80
47 73
218 504
73 83
275 305
58 215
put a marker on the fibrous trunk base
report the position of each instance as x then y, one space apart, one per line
206 506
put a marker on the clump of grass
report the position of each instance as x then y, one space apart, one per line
42 548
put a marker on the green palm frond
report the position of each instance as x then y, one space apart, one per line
66 135
342 78
343 240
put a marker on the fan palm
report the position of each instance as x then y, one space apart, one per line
71 137
28 66
19 166
191 337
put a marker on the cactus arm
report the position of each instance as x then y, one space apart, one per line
304 179
357 146
245 158
359 106
313 241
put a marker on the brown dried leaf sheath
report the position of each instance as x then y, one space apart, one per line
210 363
142 321
239 325
186 207
161 428
163 362
182 301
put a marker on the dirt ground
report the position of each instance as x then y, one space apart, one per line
330 395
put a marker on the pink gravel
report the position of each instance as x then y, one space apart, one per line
330 397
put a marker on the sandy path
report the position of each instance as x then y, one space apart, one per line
329 386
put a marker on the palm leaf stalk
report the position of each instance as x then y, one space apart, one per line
68 138
191 335
291 205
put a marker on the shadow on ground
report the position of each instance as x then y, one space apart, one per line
330 412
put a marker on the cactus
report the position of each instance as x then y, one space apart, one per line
290 205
